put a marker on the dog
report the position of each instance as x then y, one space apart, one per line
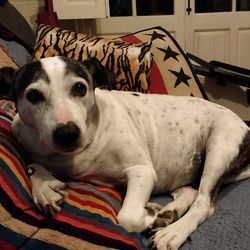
148 143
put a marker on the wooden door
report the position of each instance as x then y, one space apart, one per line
126 16
212 30
219 30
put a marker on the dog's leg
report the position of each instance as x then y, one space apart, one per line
244 174
47 191
133 215
183 197
219 161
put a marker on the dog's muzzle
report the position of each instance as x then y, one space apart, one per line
66 136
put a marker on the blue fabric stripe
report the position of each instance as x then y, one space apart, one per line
11 237
115 203
106 221
21 241
16 181
33 244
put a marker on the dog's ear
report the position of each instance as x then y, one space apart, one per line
7 83
103 77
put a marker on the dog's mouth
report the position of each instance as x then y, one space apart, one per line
69 150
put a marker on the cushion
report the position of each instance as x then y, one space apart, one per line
131 63
5 59
15 23
16 50
130 57
87 219
172 72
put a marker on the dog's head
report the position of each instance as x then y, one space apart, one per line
56 97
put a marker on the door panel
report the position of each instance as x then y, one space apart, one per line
210 43
74 9
243 48
222 36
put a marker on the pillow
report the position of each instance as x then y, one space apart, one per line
172 72
87 219
5 59
131 63
17 51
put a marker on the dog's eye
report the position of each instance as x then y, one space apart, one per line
34 96
79 89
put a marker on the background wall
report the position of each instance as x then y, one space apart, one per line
30 8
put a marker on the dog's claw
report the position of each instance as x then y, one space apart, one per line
152 245
63 192
55 207
45 209
47 191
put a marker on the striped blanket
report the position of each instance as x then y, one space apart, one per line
87 219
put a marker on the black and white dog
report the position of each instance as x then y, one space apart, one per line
149 143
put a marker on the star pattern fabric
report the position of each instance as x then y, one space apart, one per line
176 73
169 53
172 72
156 35
181 77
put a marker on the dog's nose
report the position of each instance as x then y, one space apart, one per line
66 135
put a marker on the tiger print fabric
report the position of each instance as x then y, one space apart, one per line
172 72
130 63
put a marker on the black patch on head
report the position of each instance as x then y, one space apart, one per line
135 94
26 75
93 71
76 68
102 76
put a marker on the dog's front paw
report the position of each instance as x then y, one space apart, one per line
47 191
49 195
139 220
170 237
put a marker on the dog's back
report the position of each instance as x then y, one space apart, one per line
176 131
